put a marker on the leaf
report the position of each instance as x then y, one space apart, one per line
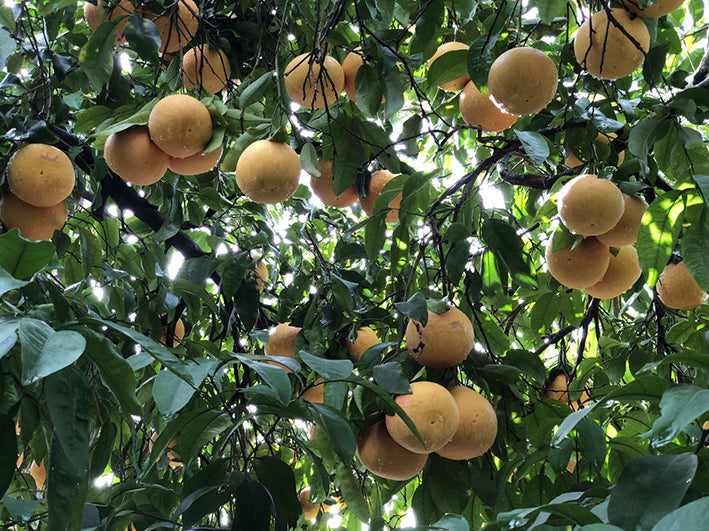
447 67
339 431
279 479
593 441
535 145
504 241
96 56
349 154
142 35
9 283
67 400
390 377
415 308
23 258
330 369
694 515
649 488
45 351
309 159
20 510
255 90
643 135
680 405
7 43
452 522
660 227
171 393
481 55
694 249
8 335
551 9
368 89
253 507
233 273
8 455
67 487
274 376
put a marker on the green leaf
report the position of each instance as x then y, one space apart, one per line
649 488
279 479
593 441
96 56
7 19
481 55
330 369
449 66
390 377
504 241
339 431
661 225
349 154
680 405
254 508
7 43
171 393
45 351
255 90
655 63
643 135
21 257
8 455
67 487
233 273
20 510
415 308
8 335
368 89
352 492
8 282
273 376
551 9
375 236
309 159
535 145
452 522
694 515
694 248
68 395
143 36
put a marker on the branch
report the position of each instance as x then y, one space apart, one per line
585 321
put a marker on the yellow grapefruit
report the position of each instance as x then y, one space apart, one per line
581 267
268 171
445 341
623 270
206 67
180 125
314 84
132 155
660 8
458 83
677 288
281 342
177 29
590 206
625 232
479 110
365 339
40 175
477 429
196 164
34 223
384 457
376 186
322 187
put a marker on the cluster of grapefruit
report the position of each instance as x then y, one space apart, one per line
521 81
605 263
178 130
613 43
41 177
201 65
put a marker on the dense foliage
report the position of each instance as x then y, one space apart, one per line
93 385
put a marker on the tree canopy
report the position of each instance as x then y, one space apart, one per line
136 388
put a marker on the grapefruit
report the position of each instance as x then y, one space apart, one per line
177 28
376 186
268 171
384 457
477 429
180 125
581 267
625 232
34 223
281 342
479 110
445 341
205 67
196 164
322 187
458 83
590 206
94 17
365 339
313 83
133 156
623 270
40 175
677 288
660 8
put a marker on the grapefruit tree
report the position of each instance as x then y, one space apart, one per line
326 265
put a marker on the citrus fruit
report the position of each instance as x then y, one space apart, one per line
445 341
315 394
558 389
322 187
268 171
281 342
39 474
458 83
260 275
623 270
625 232
434 413
176 29
310 510
40 175
477 429
133 156
94 17
522 81
206 67
196 164
34 223
590 206
572 161
350 66
180 125
581 267
605 50
314 84
479 110
660 8
365 339
178 335
376 185
677 288
384 457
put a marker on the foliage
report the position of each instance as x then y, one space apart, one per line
99 399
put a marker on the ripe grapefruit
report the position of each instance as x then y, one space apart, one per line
605 51
314 84
445 341
268 171
625 232
322 187
34 223
522 81
180 125
558 389
581 267
196 164
623 270
350 66
315 394
590 206
40 175
178 335
310 510
177 28
365 339
376 185
458 83
477 429
94 16
677 288
384 457
281 342
133 156
660 8
479 110
433 411
206 67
